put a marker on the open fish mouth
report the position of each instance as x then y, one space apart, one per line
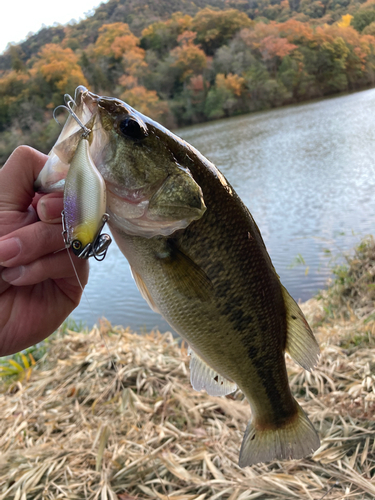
148 192
52 176
137 218
85 119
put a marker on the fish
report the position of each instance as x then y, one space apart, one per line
198 259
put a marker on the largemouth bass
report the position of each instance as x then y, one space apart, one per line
198 258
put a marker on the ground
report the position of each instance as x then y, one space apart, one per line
110 414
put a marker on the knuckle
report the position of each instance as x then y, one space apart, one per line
26 153
22 152
47 238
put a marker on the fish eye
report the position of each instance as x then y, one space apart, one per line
76 246
131 128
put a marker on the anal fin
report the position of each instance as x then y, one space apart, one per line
300 343
144 290
202 376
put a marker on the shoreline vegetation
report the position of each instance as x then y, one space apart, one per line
185 62
119 420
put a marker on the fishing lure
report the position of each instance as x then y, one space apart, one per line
84 213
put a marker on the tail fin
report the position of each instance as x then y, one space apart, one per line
296 439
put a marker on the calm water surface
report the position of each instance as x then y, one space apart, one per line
307 174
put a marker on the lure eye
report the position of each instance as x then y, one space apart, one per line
76 246
132 128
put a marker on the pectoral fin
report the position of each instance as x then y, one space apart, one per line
185 275
300 343
144 290
202 376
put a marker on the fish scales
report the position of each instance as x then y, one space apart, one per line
198 258
246 306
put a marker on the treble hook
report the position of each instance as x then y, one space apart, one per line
69 102
99 246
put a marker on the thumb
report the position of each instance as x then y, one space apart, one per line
17 178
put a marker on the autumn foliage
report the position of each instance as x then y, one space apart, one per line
189 67
58 68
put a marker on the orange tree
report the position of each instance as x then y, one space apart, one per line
161 37
216 28
56 72
116 52
14 90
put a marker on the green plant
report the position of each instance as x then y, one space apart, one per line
19 366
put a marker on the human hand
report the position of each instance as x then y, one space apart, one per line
38 288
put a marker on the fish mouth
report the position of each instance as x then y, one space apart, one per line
82 96
133 215
137 209
82 112
126 204
132 196
112 105
85 116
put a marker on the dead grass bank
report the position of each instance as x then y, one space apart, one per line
123 422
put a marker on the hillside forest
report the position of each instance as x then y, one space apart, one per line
186 62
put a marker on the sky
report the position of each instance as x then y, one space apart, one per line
20 17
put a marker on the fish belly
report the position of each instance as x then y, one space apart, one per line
240 333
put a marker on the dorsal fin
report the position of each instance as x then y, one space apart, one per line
300 342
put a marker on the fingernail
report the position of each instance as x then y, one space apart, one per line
49 210
12 273
9 249
42 210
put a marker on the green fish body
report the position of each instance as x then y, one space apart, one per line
198 258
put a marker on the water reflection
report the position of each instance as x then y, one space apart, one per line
307 175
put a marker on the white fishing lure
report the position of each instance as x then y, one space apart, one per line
84 206
84 214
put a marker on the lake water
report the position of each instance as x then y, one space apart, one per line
307 174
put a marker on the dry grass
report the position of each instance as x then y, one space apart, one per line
123 422
353 291
89 424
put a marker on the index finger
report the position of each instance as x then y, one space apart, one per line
17 178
